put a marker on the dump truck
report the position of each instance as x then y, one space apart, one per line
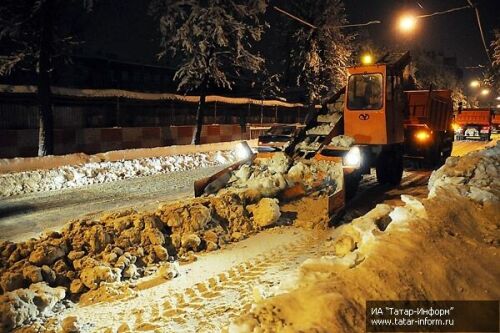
428 126
473 124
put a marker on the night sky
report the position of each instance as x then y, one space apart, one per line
123 28
455 34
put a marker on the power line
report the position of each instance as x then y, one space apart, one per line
295 17
480 29
470 5
443 12
315 27
358 24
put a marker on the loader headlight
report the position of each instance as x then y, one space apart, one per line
243 151
352 158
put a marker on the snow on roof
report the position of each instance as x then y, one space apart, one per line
103 93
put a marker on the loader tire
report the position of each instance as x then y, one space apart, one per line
434 158
389 167
351 184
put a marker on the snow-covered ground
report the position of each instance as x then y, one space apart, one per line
72 176
442 247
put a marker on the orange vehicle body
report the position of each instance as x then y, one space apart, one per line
474 116
495 123
496 120
378 126
433 109
474 124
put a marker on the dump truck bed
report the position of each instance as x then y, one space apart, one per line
432 108
474 117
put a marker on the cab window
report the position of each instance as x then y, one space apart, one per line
364 92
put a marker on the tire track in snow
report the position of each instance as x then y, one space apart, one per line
208 306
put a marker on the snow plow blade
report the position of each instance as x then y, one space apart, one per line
319 197
210 185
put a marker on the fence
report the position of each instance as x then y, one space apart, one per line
93 121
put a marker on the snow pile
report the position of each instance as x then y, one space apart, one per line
323 129
71 176
444 247
329 118
266 212
278 176
308 144
342 141
91 256
476 176
20 307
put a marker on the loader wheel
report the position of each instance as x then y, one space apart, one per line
390 167
434 157
351 184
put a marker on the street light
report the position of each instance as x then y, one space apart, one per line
498 98
407 23
474 84
485 92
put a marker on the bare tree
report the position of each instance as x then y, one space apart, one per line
493 75
322 54
31 38
213 41
429 70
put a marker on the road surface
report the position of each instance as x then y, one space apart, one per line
26 216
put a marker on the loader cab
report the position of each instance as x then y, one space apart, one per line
374 104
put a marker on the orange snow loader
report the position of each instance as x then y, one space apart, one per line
473 124
390 120
372 122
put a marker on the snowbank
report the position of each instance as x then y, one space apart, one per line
20 164
476 176
71 176
445 247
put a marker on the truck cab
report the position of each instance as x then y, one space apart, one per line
374 105
373 110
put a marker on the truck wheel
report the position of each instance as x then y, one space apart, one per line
389 167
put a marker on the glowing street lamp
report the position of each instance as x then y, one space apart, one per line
485 92
367 59
474 84
498 98
407 23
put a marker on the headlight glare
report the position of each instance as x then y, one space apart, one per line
353 157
